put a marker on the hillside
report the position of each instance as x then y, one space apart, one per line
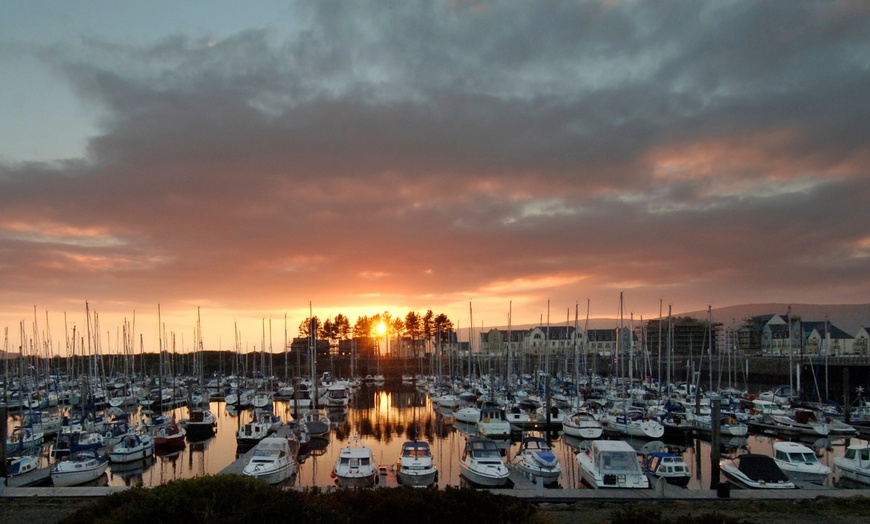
848 317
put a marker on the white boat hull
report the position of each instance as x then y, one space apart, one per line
416 479
66 476
489 477
268 473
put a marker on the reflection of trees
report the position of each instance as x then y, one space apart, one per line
390 414
365 427
413 431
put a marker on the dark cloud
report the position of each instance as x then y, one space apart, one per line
427 153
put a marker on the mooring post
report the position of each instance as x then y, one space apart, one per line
3 430
715 447
846 399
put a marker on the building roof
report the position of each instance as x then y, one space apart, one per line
820 327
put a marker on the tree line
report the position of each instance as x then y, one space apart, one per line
429 327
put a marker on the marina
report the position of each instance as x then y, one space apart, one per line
385 417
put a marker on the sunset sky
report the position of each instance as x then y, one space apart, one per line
250 158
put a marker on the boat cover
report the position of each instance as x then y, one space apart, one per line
761 467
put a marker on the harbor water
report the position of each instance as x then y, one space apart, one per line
385 417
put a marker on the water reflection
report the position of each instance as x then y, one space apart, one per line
383 418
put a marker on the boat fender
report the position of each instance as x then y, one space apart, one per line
486 420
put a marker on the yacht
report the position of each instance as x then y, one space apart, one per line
799 462
252 432
356 465
78 468
855 463
336 396
201 424
536 460
668 466
632 423
582 424
131 448
755 471
273 461
21 465
493 423
611 464
481 463
416 466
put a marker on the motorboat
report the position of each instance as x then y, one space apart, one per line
493 423
273 461
799 462
755 471
336 396
250 433
416 467
536 460
301 398
470 413
78 468
272 421
518 417
201 424
131 448
668 466
611 464
356 465
855 463
481 463
582 424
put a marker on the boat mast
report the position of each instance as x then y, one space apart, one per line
710 346
790 365
509 356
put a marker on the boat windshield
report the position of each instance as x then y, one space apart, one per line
418 452
618 461
808 458
858 453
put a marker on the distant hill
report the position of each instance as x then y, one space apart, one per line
848 317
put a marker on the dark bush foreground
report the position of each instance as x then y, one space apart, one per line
229 498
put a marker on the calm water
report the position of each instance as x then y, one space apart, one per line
384 418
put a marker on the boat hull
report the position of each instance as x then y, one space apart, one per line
491 480
70 475
124 456
269 474
416 479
